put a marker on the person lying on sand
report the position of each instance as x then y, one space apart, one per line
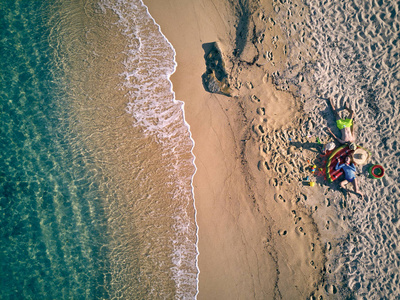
345 126
349 174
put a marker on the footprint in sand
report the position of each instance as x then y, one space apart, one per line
312 263
269 55
274 181
328 246
261 111
262 165
266 147
274 41
255 99
327 225
279 198
331 289
301 198
272 21
258 129
264 139
327 202
329 268
282 232
343 204
260 38
281 169
261 129
300 230
266 78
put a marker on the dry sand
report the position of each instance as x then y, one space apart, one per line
257 235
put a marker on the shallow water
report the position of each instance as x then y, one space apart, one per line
350 51
96 165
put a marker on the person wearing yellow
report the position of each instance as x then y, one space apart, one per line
345 126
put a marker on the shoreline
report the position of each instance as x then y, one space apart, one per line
247 231
187 125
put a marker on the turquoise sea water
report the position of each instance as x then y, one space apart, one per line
53 230
95 162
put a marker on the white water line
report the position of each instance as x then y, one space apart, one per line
182 104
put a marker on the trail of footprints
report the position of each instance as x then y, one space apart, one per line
277 153
291 18
280 159
282 163
299 225
285 163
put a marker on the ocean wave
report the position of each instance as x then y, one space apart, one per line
149 63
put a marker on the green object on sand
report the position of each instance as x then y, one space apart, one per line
344 123
319 141
376 171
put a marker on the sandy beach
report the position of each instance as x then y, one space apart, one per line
257 238
172 149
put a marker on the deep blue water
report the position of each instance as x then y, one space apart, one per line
52 225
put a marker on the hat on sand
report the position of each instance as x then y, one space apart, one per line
330 146
360 156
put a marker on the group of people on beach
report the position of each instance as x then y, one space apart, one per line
347 137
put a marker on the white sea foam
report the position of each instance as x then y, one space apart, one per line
149 64
356 61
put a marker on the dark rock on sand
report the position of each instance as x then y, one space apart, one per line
215 79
